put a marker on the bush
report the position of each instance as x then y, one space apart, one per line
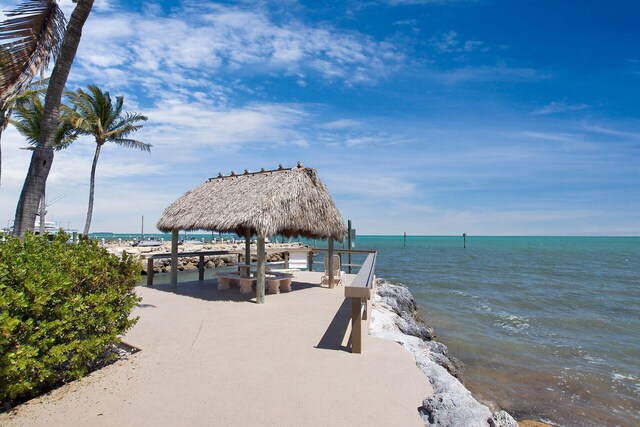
61 307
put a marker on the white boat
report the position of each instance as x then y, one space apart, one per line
50 227
148 243
192 242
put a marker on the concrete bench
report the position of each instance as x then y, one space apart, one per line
278 282
225 280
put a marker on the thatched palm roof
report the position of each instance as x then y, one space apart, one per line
289 202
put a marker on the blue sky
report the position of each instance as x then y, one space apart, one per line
488 117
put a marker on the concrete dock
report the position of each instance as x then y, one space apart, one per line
214 357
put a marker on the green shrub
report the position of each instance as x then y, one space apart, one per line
61 307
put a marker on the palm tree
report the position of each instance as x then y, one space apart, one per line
42 157
34 33
28 118
94 114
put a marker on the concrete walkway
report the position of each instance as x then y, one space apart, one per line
216 358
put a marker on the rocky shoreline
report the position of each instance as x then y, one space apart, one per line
395 317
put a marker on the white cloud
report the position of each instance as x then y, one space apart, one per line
450 43
414 2
341 124
604 130
216 42
355 141
556 107
203 125
548 136
499 72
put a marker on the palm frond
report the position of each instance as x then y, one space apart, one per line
66 134
95 113
35 88
28 117
32 35
132 143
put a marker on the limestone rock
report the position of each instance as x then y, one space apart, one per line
451 409
502 419
404 305
451 404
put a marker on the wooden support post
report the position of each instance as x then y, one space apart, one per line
286 260
330 264
247 251
260 285
201 268
174 256
356 325
349 242
149 271
310 260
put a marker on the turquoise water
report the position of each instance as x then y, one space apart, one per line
548 327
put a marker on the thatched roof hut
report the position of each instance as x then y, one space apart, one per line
289 202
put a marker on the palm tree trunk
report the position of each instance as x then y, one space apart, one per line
43 212
3 124
42 156
92 184
1 156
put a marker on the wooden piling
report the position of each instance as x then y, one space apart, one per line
349 241
149 271
356 325
260 288
330 264
174 256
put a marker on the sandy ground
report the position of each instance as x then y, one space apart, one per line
216 358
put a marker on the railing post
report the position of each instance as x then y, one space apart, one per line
174 256
149 271
330 265
286 260
356 325
310 260
201 268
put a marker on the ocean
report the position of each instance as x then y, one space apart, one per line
548 327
